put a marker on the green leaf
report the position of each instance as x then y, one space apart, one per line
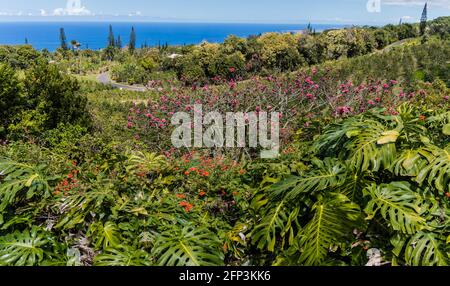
327 174
422 249
369 147
398 205
277 222
189 246
388 137
446 129
106 235
19 177
122 256
23 248
334 219
437 171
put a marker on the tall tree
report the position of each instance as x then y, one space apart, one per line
26 41
132 45
63 39
111 40
423 20
119 42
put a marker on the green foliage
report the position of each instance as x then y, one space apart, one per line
278 222
370 144
10 97
399 205
28 248
437 170
335 217
324 175
423 249
188 246
364 161
122 256
21 182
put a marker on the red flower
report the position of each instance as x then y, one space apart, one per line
181 196
232 70
187 206
202 194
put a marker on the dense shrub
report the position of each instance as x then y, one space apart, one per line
10 97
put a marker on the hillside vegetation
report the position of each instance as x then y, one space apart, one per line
89 176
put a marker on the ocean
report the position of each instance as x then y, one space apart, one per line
93 35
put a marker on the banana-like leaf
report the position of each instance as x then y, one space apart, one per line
398 204
188 246
335 217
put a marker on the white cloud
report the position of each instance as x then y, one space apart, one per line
73 8
406 19
43 12
137 13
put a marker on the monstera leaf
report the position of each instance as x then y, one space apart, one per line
324 175
398 205
21 182
422 249
104 235
409 163
122 256
335 217
278 221
189 246
437 171
368 144
23 248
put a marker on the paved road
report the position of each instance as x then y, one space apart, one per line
105 79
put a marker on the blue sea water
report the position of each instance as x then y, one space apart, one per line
93 35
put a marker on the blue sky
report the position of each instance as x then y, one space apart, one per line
254 11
